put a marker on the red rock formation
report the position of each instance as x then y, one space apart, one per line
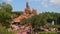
27 9
34 11
26 14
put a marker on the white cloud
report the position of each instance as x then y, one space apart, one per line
51 2
57 2
7 1
44 3
34 0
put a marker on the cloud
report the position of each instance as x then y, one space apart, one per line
48 3
56 2
34 0
44 3
7 1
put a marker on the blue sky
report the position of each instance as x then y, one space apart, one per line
39 5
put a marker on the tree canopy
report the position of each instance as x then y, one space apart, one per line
43 19
5 13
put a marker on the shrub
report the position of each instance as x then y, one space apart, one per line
47 32
3 30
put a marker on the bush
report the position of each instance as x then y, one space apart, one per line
47 32
57 26
3 30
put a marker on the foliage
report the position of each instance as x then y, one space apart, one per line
50 26
25 21
47 32
37 21
5 18
5 14
57 26
17 12
6 7
51 16
43 19
3 30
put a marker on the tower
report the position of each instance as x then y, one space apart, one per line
27 9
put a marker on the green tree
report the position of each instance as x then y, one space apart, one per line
38 21
5 14
17 12
6 7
